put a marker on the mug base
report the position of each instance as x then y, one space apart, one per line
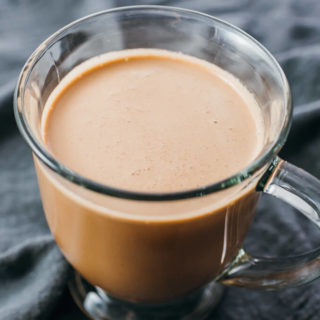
98 305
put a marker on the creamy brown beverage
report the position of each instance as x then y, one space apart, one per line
149 120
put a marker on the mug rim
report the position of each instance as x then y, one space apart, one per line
262 160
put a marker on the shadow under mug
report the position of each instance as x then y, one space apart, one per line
165 256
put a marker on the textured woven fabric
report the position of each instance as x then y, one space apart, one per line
33 273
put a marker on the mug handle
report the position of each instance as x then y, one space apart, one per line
302 191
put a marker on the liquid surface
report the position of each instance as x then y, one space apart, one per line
152 120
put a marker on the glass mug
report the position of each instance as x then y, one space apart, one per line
165 256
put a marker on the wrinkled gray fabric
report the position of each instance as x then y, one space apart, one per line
33 274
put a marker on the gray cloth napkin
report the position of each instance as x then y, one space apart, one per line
33 273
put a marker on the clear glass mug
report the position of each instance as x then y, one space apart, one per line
165 256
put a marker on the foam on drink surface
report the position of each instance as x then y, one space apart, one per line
152 120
